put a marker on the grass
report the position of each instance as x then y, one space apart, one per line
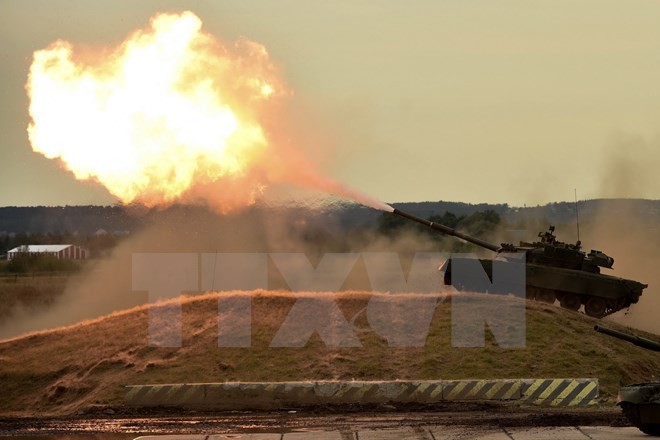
63 370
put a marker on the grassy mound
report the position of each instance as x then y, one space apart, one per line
64 370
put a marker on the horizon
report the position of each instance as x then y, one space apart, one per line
341 205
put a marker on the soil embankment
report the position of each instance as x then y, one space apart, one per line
72 369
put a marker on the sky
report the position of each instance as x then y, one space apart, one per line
507 101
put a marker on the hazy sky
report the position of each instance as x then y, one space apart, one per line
466 100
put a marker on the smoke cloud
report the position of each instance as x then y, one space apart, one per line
627 231
630 167
105 287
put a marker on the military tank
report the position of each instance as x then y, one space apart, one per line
554 271
640 402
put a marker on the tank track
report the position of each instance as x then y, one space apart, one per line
594 306
631 411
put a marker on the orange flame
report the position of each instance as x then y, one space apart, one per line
169 114
169 108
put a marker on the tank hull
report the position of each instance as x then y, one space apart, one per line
640 402
641 406
601 295
640 393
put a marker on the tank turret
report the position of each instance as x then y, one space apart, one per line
554 271
548 251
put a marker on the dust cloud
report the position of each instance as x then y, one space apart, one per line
106 286
630 167
625 231
628 229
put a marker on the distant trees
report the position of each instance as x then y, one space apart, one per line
32 263
394 234
481 224
448 219
266 229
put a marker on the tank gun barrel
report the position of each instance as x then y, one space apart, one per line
637 340
447 230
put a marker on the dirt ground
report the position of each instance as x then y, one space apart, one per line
143 422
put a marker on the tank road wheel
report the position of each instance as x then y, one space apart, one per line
596 307
570 301
546 296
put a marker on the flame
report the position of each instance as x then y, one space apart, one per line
170 114
169 108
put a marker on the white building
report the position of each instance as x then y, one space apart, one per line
65 251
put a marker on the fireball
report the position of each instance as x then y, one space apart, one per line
168 109
171 114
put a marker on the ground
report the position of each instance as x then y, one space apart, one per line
76 369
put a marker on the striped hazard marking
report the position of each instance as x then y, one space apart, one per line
310 393
255 395
560 392
481 390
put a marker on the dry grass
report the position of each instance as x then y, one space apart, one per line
63 370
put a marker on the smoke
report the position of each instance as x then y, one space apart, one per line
627 230
341 190
106 286
630 168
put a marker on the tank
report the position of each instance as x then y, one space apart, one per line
555 271
640 402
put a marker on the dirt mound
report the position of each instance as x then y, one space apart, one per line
66 370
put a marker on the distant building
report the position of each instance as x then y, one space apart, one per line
64 251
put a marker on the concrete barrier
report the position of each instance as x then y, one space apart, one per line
559 392
278 395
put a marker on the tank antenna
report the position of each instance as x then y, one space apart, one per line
577 217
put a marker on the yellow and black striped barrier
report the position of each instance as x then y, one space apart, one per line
501 389
264 395
560 392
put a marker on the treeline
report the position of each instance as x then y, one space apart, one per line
81 219
38 263
86 220
315 234
478 224
393 233
315 231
